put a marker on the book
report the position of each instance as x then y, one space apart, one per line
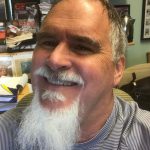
27 15
2 37
7 106
3 10
8 99
10 88
26 90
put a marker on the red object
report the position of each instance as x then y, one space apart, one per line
2 34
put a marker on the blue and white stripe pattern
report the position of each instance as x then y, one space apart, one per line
127 128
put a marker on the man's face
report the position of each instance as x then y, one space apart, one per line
3 71
74 43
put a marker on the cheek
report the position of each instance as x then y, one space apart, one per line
38 60
98 69
98 75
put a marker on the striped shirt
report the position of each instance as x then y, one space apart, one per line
127 128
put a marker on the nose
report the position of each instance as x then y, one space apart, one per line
59 58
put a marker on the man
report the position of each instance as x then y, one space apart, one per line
3 70
78 60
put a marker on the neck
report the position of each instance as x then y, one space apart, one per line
95 121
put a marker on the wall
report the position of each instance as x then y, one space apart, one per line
136 54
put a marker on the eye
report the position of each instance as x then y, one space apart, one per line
82 49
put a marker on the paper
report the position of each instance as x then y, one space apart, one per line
12 82
3 91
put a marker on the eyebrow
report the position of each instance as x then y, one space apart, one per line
95 45
85 40
41 35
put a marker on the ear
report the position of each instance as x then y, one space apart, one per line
119 69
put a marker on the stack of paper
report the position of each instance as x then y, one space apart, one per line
14 41
10 87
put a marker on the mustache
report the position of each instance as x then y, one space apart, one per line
59 76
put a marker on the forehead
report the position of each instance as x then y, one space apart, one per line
83 17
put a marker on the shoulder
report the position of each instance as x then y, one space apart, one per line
131 113
136 125
139 131
12 117
141 125
9 122
8 127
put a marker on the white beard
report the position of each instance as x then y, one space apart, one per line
41 129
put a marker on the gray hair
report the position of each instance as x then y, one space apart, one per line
117 35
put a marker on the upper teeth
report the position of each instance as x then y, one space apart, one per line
61 82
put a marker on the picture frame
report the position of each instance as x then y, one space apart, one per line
22 63
6 65
123 10
16 64
145 24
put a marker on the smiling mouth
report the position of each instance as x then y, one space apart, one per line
62 82
62 78
59 82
